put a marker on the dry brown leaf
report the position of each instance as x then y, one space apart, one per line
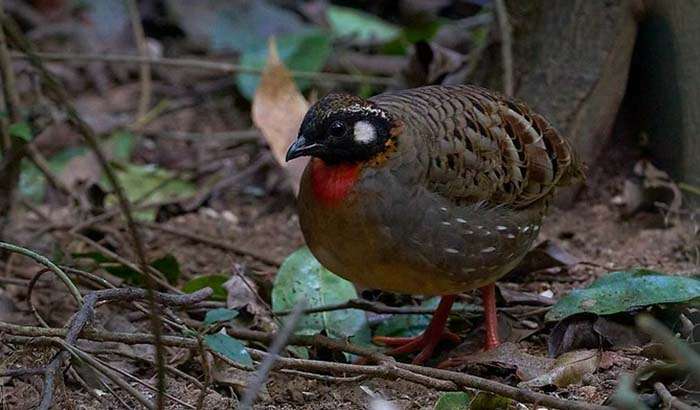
569 368
278 109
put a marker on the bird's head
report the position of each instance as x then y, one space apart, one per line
341 128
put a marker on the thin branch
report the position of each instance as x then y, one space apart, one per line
674 347
61 98
204 387
216 242
435 378
12 151
669 401
377 307
50 265
506 46
280 341
107 372
132 377
318 77
145 68
43 165
148 272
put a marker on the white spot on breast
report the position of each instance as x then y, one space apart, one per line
451 250
488 250
364 132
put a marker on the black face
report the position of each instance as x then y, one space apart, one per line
342 128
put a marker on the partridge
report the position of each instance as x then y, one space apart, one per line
434 190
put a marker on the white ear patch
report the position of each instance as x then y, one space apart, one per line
364 132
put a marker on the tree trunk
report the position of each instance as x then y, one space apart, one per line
571 60
667 83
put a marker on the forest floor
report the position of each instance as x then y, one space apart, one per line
592 230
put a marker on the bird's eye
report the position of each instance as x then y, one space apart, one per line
337 129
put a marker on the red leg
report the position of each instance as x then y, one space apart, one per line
488 296
428 340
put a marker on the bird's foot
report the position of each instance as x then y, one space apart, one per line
425 343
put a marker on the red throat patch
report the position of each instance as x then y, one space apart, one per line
332 183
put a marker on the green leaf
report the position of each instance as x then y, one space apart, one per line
216 282
169 266
121 145
363 27
622 291
305 51
21 130
489 401
412 325
219 315
232 26
32 183
148 180
229 347
407 325
301 276
453 400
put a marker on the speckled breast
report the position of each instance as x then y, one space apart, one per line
398 237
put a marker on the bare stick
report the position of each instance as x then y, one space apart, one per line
674 347
109 373
61 98
430 377
669 401
149 272
506 46
280 341
85 315
145 68
216 242
12 151
50 265
207 65
127 375
376 307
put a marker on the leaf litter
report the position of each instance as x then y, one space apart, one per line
594 234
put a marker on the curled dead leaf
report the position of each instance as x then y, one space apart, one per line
278 109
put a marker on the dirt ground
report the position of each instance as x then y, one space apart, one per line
592 230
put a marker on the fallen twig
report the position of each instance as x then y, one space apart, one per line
430 377
50 265
280 341
60 96
107 372
144 67
227 68
669 401
218 243
674 347
12 150
85 315
506 46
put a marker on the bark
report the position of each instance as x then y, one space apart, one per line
667 84
571 60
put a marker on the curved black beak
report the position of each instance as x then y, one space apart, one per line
300 148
